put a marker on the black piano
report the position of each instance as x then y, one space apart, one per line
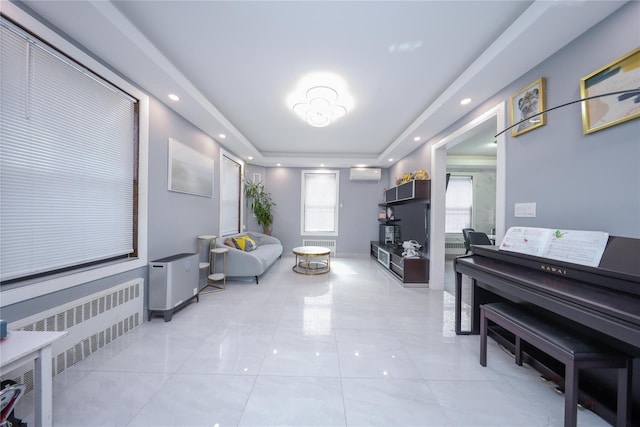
603 301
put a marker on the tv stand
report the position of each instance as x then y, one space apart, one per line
408 270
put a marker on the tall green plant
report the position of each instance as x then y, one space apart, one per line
261 203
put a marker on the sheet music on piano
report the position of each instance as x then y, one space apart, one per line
575 246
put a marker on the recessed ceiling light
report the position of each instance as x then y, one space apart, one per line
174 97
465 101
222 136
321 165
250 157
417 138
278 164
391 160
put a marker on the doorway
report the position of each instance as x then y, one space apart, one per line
496 116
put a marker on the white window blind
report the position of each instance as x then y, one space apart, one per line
230 196
459 203
320 202
67 164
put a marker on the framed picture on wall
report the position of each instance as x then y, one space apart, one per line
525 107
190 171
606 111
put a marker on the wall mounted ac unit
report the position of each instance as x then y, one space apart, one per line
365 174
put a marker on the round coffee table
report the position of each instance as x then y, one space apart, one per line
312 260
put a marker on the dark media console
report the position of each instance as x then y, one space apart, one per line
404 216
409 270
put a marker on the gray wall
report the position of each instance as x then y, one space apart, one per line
358 221
176 219
583 182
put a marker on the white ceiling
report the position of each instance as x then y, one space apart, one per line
406 64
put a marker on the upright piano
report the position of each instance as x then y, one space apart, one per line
603 301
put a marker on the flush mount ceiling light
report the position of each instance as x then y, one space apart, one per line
320 99
321 107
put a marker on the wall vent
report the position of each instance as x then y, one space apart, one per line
92 322
331 244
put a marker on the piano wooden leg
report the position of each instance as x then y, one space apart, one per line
625 379
518 350
483 339
570 395
458 305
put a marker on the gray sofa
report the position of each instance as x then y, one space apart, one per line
254 263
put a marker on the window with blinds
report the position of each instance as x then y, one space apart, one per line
320 195
459 203
68 162
230 195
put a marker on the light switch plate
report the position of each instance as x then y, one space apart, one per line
525 210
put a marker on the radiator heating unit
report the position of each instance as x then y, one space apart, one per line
92 322
329 244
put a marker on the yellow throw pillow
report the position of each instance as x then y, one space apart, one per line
244 243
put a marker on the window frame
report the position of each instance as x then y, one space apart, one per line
239 161
336 209
25 290
451 179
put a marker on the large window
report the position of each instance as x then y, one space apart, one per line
319 199
231 170
459 203
68 162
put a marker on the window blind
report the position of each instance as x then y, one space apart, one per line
320 209
230 196
459 203
67 161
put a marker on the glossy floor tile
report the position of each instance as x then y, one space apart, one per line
348 348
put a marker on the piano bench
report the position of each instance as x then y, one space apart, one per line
567 346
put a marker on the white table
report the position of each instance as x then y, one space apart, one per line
22 347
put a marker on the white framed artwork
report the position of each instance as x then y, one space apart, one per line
190 171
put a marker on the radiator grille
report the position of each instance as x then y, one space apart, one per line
92 322
330 244
453 249
454 245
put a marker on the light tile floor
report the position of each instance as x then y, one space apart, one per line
352 347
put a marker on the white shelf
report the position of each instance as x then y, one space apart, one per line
204 265
216 277
207 237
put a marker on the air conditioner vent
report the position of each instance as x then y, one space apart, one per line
365 174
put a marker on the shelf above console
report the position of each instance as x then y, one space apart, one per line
412 191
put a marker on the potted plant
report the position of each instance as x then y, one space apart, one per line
261 204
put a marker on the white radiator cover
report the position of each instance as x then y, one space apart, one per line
330 244
92 322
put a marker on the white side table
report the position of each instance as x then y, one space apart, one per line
215 278
210 241
22 347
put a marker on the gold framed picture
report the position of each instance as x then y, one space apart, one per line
525 107
606 111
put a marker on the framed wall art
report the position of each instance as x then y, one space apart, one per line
528 103
190 171
622 74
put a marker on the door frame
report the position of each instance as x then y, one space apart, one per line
438 188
